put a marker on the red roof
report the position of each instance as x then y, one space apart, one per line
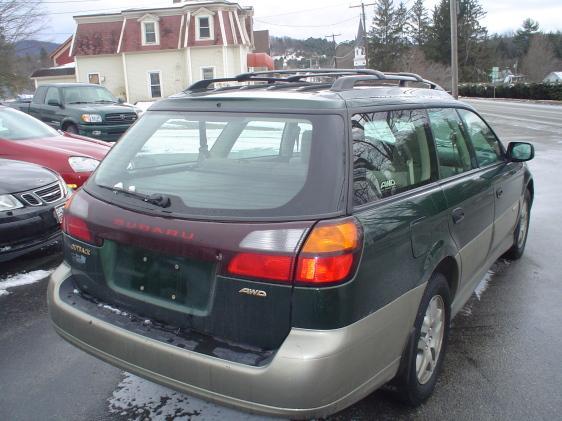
97 38
170 32
103 37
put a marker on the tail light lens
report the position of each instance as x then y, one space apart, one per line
261 266
329 255
77 227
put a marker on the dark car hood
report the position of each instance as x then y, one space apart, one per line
71 145
101 108
18 176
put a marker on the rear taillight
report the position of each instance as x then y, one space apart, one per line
261 266
329 254
76 226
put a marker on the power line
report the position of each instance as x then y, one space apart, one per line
303 10
304 26
362 5
333 36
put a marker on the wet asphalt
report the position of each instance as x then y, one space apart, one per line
504 360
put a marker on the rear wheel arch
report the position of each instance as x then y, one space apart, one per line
448 267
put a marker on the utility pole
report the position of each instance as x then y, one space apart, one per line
362 6
333 36
454 50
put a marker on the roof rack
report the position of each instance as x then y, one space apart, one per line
345 79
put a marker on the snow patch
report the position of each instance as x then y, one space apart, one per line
483 285
114 310
22 279
139 399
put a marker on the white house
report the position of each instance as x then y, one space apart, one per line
146 54
553 77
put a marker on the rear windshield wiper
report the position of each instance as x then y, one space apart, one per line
157 199
105 101
80 102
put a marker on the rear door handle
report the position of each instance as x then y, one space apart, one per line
499 192
458 215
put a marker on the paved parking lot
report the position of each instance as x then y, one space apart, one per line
503 362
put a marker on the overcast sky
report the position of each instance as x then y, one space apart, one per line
302 19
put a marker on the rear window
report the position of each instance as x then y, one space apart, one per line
235 166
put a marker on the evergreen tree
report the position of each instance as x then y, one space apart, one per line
383 40
418 23
524 34
472 37
401 16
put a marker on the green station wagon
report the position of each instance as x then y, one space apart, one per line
290 242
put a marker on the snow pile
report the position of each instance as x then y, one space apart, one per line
139 399
22 279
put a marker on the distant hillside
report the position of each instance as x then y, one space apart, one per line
33 47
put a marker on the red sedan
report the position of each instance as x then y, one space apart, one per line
25 138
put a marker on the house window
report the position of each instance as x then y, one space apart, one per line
204 27
207 73
94 78
150 33
155 84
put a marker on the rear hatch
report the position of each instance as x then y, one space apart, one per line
195 220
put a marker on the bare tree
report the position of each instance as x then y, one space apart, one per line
20 19
540 59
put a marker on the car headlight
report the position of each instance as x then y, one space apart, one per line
9 202
82 164
91 118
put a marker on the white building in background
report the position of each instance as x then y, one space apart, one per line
146 54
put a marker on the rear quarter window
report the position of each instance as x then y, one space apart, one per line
391 154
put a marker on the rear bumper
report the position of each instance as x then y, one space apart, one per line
313 373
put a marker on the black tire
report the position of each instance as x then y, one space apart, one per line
71 128
407 384
516 251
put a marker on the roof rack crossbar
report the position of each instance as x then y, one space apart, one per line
348 82
315 72
202 85
345 79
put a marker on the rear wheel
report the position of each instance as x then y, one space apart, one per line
429 342
71 128
520 236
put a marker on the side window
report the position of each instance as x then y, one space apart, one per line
486 145
52 95
452 148
391 154
39 97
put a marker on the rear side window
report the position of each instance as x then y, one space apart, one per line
39 96
450 141
485 143
232 165
52 95
391 154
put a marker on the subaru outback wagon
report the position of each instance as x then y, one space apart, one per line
291 242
